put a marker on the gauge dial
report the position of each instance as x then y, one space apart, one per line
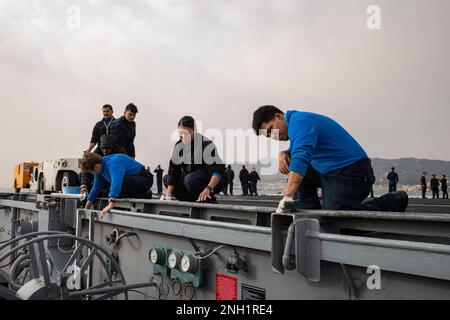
157 255
188 264
174 259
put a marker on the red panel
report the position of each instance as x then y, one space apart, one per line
226 287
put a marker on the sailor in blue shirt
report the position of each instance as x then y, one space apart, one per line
127 178
322 154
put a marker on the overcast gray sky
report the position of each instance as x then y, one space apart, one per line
218 60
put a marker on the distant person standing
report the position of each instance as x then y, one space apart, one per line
254 178
244 177
159 178
230 174
444 187
434 186
124 130
393 180
423 183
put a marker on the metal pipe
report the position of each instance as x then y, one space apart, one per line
92 292
90 238
13 231
12 271
287 261
226 225
386 243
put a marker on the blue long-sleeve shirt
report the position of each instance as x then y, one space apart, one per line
321 142
114 169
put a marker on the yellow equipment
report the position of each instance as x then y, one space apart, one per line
23 174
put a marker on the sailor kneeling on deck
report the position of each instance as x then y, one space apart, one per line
127 178
196 172
322 154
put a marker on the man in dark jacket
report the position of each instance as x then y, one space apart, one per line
100 136
244 177
434 186
423 183
101 128
254 178
444 187
124 130
159 178
196 171
230 175
393 180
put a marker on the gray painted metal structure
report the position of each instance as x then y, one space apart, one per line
326 255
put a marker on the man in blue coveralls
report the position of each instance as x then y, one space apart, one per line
322 154
127 178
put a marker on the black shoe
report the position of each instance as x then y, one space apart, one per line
396 201
213 200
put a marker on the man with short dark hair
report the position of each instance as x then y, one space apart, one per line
159 178
254 178
434 186
444 187
101 138
244 176
322 154
101 128
127 178
393 180
124 130
423 183
230 175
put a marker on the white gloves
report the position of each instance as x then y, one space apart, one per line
167 198
287 204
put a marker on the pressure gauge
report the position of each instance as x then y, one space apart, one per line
174 259
188 264
157 255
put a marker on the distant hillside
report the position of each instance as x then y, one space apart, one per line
408 169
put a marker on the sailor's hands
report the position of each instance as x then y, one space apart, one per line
88 205
106 209
167 197
204 195
84 190
283 162
286 204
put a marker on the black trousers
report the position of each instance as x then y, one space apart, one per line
444 193
253 188
342 189
230 187
435 191
137 186
192 184
424 192
225 189
244 185
159 183
392 187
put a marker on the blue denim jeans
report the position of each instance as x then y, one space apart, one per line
342 189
